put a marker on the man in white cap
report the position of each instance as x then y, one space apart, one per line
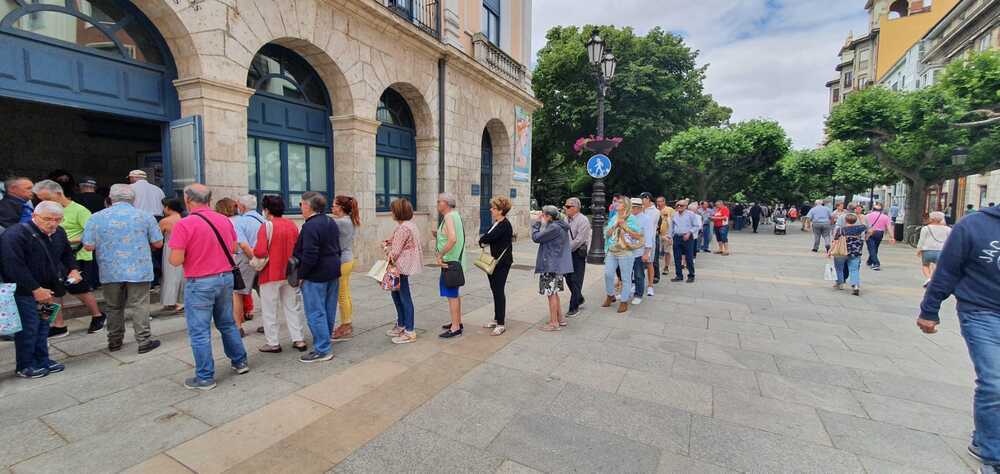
148 197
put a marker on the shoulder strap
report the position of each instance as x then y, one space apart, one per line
218 236
255 218
45 247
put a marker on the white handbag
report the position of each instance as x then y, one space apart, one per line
378 270
830 273
259 263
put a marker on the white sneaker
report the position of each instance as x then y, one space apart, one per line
636 300
405 338
650 292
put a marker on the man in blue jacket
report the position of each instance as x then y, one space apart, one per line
318 252
969 268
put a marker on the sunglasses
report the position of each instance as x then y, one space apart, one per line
568 206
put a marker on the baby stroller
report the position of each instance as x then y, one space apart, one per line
780 225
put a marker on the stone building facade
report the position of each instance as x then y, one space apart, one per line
461 78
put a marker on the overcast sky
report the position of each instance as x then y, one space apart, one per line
767 58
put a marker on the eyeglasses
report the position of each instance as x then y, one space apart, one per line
568 206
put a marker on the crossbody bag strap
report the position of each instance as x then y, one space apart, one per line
45 248
218 236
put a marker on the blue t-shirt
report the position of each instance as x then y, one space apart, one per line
820 215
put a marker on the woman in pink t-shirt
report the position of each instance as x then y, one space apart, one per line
879 225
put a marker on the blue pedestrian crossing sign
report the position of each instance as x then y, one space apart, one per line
599 166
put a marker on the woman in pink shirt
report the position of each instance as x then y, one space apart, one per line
879 224
403 253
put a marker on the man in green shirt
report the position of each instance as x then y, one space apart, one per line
75 217
450 247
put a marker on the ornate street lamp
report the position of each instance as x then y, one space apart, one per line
603 63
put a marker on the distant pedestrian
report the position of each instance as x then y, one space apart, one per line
879 226
685 228
75 218
623 235
640 254
854 233
932 239
403 250
450 247
739 219
756 212
36 256
122 238
666 240
580 235
172 281
720 220
661 203
969 269
66 182
15 207
276 241
693 208
706 211
650 229
88 196
820 220
553 261
148 196
318 253
348 217
247 223
203 243
500 238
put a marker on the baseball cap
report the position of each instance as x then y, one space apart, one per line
645 195
137 174
636 201
88 181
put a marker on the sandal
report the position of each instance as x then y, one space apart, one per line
550 328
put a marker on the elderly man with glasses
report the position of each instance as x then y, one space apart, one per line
579 234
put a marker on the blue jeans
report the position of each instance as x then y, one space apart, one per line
320 301
31 345
625 264
981 330
404 304
848 268
706 236
683 248
206 300
873 244
639 275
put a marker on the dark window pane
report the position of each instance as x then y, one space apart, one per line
252 163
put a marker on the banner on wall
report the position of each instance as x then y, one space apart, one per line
522 145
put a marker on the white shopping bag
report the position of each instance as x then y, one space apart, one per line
830 274
378 270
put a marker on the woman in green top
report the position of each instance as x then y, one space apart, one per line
450 248
621 232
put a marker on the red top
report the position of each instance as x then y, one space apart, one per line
203 256
721 216
283 237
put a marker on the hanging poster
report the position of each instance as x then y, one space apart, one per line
522 145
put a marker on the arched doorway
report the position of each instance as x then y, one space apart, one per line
87 87
395 151
289 141
485 183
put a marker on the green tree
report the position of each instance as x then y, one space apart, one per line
723 160
657 92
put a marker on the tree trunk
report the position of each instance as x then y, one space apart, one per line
915 198
701 187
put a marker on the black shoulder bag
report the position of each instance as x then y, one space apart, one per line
453 274
238 283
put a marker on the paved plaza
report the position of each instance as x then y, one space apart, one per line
759 366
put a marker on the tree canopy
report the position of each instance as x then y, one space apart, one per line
656 93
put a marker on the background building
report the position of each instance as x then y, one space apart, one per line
372 98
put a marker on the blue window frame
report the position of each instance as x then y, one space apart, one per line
289 140
491 20
395 152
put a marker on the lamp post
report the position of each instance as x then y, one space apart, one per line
603 63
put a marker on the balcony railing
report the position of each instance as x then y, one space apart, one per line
494 58
422 13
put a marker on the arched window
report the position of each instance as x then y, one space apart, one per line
395 151
288 127
100 25
899 9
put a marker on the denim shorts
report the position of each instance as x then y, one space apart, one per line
722 234
444 290
928 257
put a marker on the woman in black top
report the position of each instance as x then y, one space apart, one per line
499 237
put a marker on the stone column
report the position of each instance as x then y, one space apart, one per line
354 175
223 109
452 33
427 174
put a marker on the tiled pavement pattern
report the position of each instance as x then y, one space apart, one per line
757 367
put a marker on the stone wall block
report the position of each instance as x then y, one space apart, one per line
305 12
270 10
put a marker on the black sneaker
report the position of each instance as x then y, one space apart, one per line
690 279
56 333
114 346
97 323
148 346
32 373
573 312
314 356
814 250
876 269
55 367
448 334
448 326
194 383
676 279
243 367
